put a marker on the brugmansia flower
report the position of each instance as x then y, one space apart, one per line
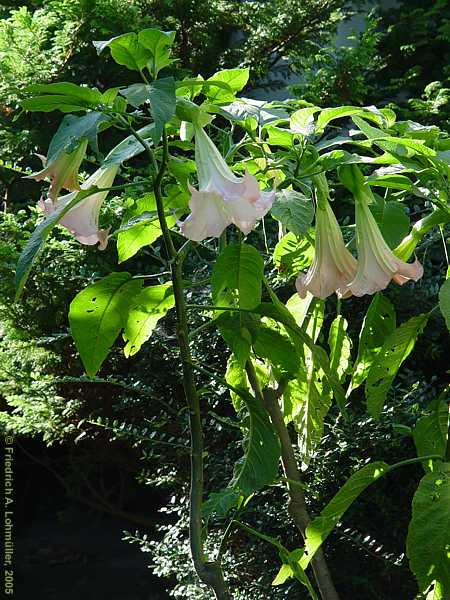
333 266
63 171
82 219
222 197
377 264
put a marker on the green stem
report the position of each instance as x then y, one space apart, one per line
210 572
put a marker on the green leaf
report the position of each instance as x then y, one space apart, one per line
140 227
126 51
392 220
72 130
431 434
146 310
98 313
330 114
302 121
160 45
372 133
332 160
236 377
444 301
394 351
308 407
241 268
235 78
280 313
162 104
378 324
37 240
277 349
82 96
292 255
428 541
236 333
279 136
259 466
220 503
294 210
321 527
340 346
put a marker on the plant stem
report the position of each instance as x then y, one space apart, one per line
297 504
210 572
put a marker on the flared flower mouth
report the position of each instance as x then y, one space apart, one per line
222 198
82 219
62 171
377 264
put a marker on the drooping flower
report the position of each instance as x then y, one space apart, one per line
62 171
377 264
333 266
222 197
82 219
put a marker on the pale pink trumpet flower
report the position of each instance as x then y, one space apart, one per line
333 266
222 197
62 171
82 219
377 264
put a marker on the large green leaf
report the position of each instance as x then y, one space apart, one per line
428 542
259 466
394 351
146 310
302 120
277 349
430 433
126 50
392 220
140 227
238 268
444 301
98 313
330 114
378 324
162 104
236 79
321 527
66 97
294 210
72 130
340 346
308 407
292 254
237 333
160 45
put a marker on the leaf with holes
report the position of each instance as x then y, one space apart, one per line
98 313
394 351
238 268
147 309
378 324
428 541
